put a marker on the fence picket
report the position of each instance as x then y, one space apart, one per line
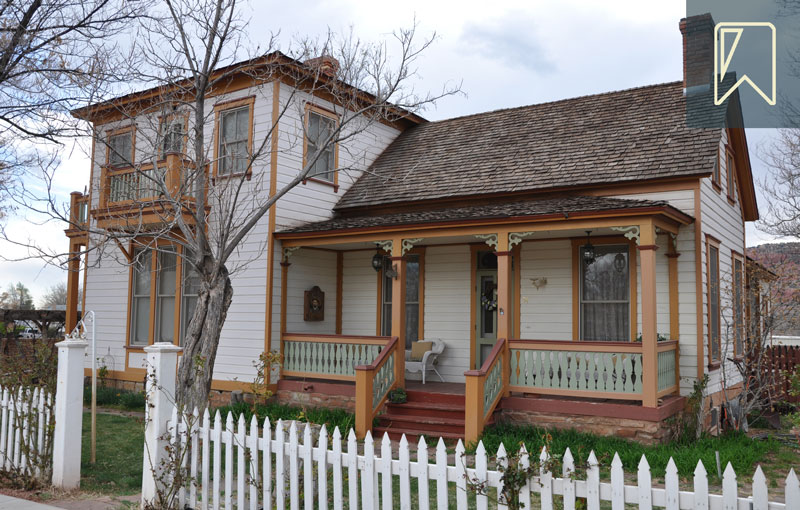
502 462
266 472
322 467
180 450
792 490
369 493
336 462
617 484
280 469
240 467
4 427
569 484
252 481
481 500
441 474
593 483
760 496
404 472
386 472
671 486
294 473
525 493
205 437
545 480
308 469
194 456
352 469
217 460
700 487
730 491
461 477
645 485
422 474
229 461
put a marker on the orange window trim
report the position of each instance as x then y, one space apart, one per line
145 244
248 102
324 112
131 128
577 242
711 241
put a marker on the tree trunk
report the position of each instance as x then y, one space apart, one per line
202 339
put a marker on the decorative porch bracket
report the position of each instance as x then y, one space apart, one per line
386 245
631 232
287 252
489 239
408 244
515 238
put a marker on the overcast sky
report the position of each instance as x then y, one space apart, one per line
506 54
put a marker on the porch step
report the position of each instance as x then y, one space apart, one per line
431 414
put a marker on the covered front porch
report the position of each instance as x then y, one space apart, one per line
579 304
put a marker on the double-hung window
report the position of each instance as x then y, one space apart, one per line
413 291
713 303
319 130
142 271
120 149
234 140
189 291
605 294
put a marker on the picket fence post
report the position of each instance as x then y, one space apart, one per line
162 360
68 414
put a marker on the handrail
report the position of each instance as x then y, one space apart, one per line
304 337
571 345
373 383
484 389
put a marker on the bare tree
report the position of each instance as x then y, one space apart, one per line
189 52
783 185
16 297
56 296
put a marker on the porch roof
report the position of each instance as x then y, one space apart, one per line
561 207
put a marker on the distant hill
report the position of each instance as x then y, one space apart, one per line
783 259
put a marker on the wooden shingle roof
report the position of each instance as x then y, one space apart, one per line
631 135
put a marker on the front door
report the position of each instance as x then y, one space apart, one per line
485 313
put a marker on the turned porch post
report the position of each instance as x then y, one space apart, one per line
399 311
647 255
504 302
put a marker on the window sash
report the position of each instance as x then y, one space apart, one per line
234 138
189 290
738 307
140 298
604 318
320 128
413 313
714 303
120 149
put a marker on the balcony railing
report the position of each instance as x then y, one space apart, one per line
78 215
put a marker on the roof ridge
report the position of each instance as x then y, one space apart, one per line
555 101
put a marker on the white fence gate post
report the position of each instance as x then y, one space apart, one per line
68 414
162 360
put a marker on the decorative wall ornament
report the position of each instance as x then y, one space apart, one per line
408 244
287 252
314 304
539 282
386 245
489 239
631 232
515 238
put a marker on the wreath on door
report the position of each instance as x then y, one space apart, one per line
489 297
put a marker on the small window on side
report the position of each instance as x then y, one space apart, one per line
120 149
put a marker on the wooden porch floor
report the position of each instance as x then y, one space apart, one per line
447 388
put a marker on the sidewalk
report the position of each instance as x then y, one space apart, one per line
9 503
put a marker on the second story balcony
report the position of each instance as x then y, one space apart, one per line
78 215
134 197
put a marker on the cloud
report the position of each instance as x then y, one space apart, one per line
512 39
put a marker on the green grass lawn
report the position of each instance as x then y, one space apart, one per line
120 447
743 453
331 418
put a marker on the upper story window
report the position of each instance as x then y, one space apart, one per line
731 169
234 137
320 125
173 134
605 283
713 301
120 148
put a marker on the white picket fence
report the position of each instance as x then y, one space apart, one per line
232 466
24 420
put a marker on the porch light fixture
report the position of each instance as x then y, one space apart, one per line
377 261
588 250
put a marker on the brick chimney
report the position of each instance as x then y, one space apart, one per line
698 51
325 64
